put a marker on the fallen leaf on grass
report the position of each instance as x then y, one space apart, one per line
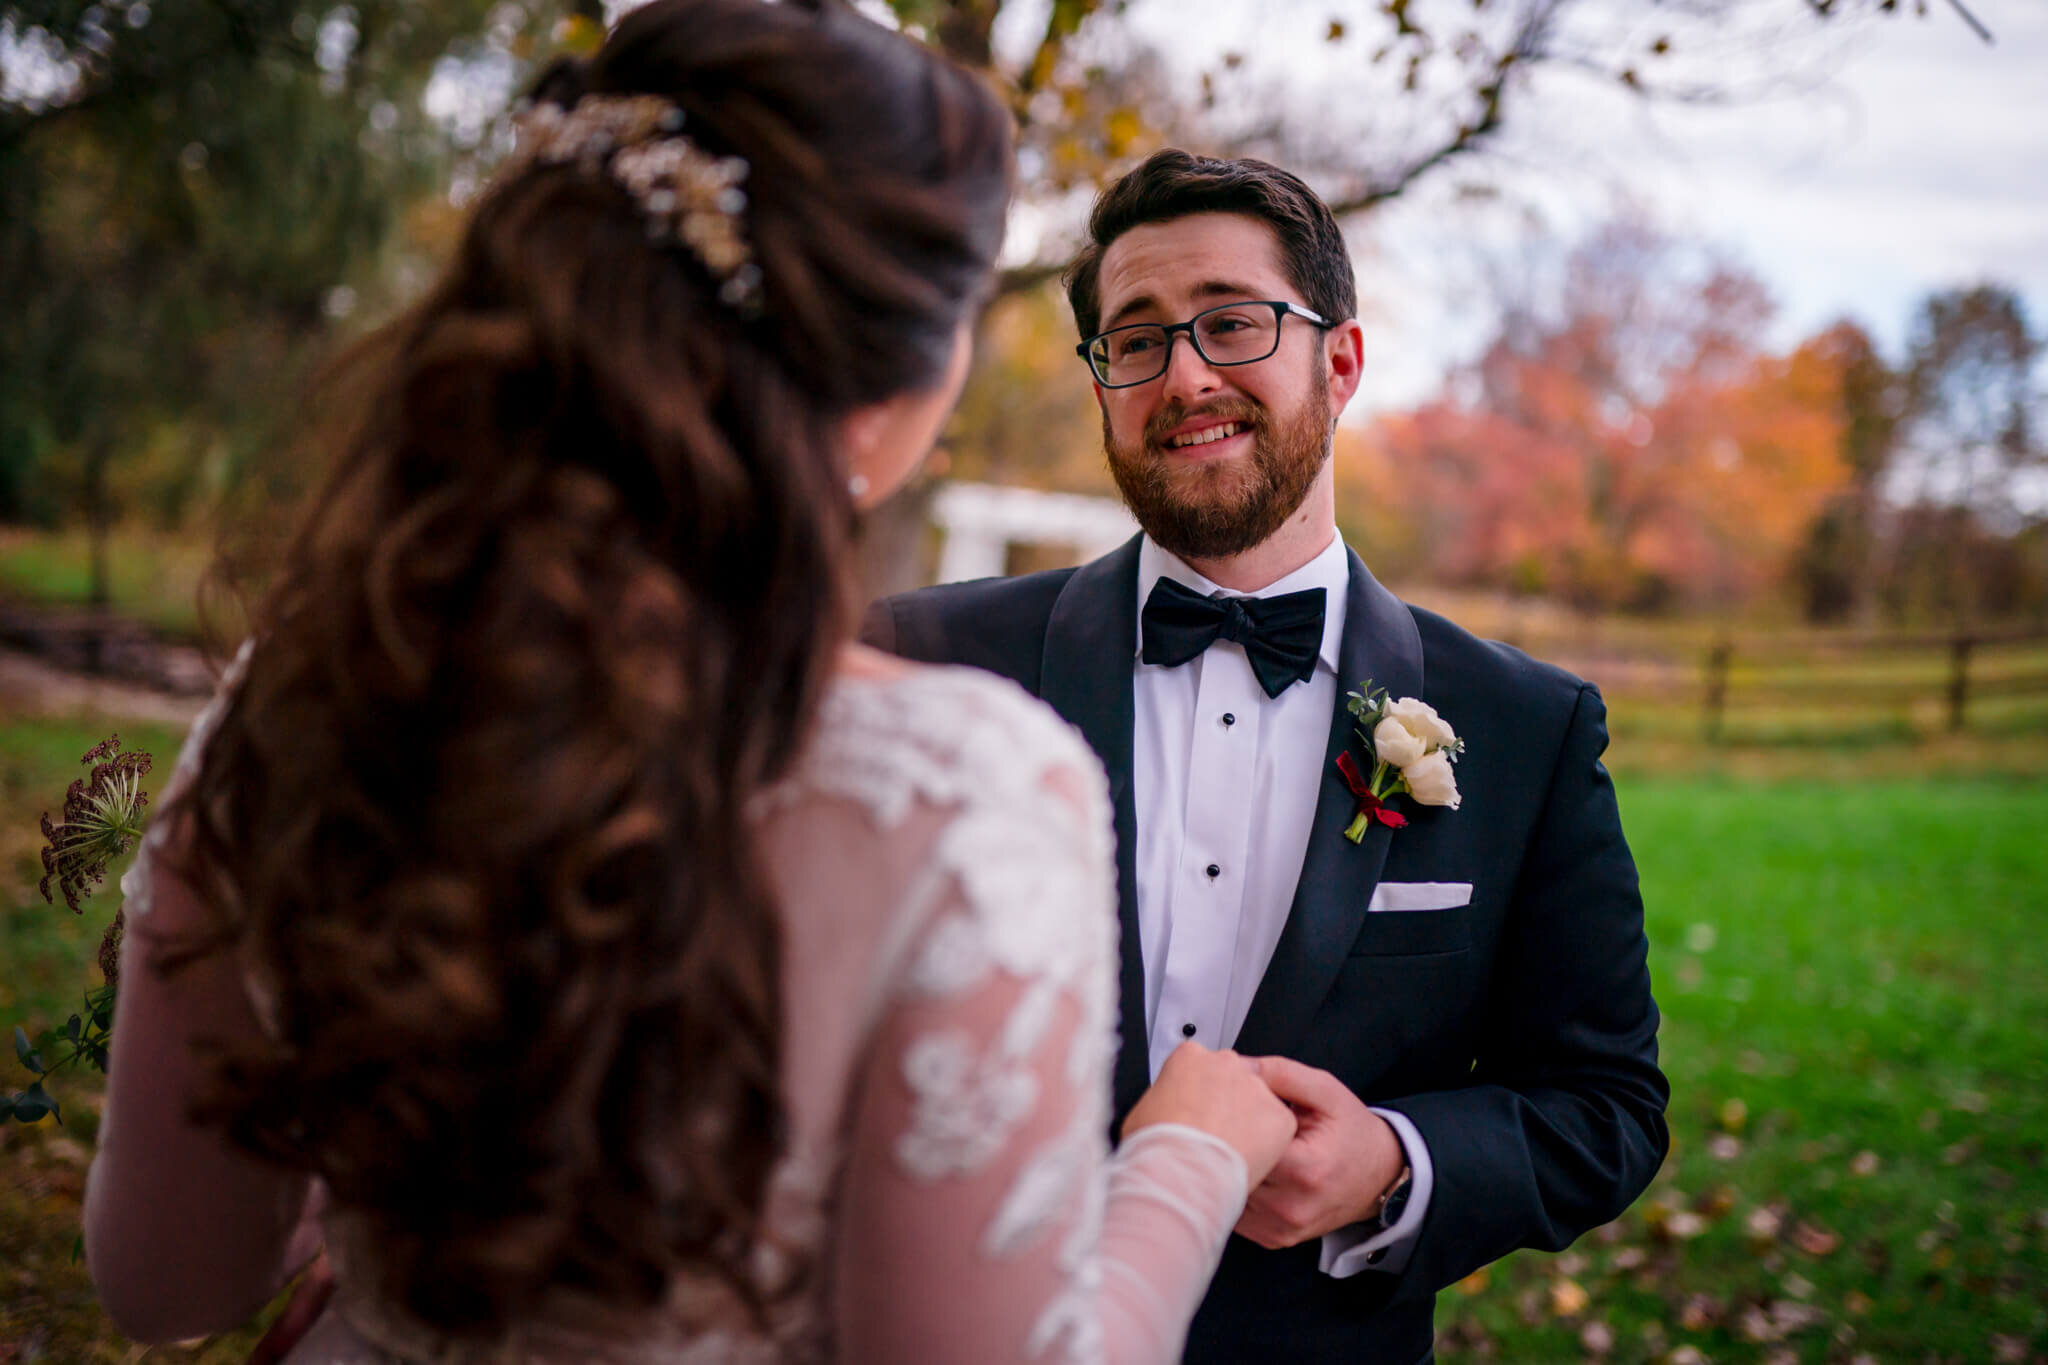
1597 1338
1716 1202
1699 1313
1856 1302
1568 1298
1475 1283
1762 1227
2008 1350
1684 1225
1864 1163
1815 1240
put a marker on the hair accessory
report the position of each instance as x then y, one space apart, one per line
686 194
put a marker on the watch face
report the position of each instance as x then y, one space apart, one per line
1390 1212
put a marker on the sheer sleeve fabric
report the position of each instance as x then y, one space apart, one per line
982 1216
184 1234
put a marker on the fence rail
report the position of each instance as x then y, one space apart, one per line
1930 679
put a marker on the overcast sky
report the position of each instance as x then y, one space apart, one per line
1921 163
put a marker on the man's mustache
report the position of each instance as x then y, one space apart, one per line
1174 414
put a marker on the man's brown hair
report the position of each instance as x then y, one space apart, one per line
1174 184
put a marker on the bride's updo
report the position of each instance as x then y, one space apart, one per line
476 822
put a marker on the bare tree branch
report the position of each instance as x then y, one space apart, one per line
1963 12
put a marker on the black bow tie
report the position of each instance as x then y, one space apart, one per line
1280 635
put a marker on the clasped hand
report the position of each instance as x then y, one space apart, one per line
1318 1158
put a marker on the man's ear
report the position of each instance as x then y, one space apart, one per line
1101 401
1344 362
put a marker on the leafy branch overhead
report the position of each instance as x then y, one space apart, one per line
1439 79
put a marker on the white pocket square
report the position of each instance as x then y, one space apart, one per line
1419 896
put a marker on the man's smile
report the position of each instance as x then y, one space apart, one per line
1206 435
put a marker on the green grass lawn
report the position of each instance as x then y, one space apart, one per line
152 578
1852 979
1852 976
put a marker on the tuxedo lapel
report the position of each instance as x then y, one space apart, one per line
1337 876
1091 640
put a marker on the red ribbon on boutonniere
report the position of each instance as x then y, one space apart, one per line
1370 807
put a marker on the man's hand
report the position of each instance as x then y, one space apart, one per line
1341 1161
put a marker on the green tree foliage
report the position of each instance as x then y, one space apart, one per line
183 191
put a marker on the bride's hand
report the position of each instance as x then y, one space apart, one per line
1221 1094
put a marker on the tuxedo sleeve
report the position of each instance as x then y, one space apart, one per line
1564 1124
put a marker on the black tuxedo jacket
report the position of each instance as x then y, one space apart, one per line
1517 1032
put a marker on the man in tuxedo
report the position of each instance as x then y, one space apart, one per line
1458 1008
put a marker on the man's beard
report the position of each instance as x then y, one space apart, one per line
1211 510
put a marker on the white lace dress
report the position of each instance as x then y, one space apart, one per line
944 860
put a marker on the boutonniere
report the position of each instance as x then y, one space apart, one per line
1411 750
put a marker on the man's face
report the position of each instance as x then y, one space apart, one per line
1198 494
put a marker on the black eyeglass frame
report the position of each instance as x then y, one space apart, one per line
1282 310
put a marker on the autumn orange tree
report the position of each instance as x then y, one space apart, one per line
1626 440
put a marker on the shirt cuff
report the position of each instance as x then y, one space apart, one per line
1366 1246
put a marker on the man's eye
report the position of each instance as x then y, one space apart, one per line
1136 345
1229 322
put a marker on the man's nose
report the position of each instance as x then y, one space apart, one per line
1188 375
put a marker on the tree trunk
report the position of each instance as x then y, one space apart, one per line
99 524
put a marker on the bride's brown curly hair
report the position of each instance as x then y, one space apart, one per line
478 814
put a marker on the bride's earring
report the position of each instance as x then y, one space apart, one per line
858 486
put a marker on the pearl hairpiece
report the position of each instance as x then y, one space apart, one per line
685 193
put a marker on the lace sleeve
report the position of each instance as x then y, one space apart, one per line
982 1216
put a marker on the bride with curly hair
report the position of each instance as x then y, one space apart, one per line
555 918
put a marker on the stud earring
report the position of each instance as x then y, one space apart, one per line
858 485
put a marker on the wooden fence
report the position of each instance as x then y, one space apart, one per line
1812 682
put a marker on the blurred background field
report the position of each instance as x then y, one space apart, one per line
1704 359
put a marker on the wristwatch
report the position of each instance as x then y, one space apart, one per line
1393 1202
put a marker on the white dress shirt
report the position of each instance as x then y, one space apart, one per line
1224 779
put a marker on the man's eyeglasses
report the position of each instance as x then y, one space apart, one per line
1229 334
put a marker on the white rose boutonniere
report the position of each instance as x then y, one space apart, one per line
1411 749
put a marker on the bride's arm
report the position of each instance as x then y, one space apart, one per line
185 1234
981 1216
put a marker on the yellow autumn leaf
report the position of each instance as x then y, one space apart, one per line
1122 129
579 34
1568 1298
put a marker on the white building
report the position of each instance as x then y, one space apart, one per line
980 521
